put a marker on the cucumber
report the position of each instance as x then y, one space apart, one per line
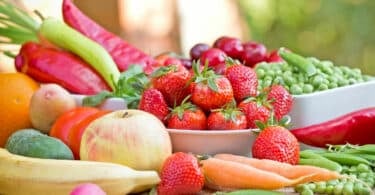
32 143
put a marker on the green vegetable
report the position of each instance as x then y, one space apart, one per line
67 38
309 157
346 159
296 60
130 87
32 143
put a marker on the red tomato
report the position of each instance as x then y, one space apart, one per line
76 132
65 122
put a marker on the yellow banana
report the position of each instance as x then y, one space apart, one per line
21 175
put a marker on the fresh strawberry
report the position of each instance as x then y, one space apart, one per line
254 111
180 174
172 81
276 143
243 79
152 101
226 119
187 116
280 100
208 90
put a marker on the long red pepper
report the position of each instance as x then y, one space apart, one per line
49 65
122 52
357 127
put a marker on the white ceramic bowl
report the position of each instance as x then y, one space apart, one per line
314 108
212 142
108 104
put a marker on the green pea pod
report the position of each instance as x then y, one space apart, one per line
322 163
346 159
251 192
60 34
296 60
368 148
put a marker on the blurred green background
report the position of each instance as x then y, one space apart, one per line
342 31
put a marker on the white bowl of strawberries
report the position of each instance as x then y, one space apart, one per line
206 112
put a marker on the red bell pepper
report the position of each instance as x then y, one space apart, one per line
355 128
122 52
49 65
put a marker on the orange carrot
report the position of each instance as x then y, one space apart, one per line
284 169
229 175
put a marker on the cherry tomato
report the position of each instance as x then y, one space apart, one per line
76 132
64 123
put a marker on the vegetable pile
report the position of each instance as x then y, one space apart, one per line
354 162
300 75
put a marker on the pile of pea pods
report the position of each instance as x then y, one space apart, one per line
304 75
356 163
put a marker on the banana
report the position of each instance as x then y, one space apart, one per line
21 175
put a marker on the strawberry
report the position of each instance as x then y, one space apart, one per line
152 101
172 81
280 100
209 90
254 111
276 143
187 116
243 79
180 174
226 119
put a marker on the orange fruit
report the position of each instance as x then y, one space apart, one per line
16 90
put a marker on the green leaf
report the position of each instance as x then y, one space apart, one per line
97 99
212 84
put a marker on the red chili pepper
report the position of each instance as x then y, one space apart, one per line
49 65
355 128
122 52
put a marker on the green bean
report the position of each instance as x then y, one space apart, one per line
327 164
346 159
363 168
296 60
368 148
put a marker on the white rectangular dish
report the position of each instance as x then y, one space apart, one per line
314 108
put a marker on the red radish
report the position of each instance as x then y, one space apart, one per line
215 59
231 46
197 50
253 53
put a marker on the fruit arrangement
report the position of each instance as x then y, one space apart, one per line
52 145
